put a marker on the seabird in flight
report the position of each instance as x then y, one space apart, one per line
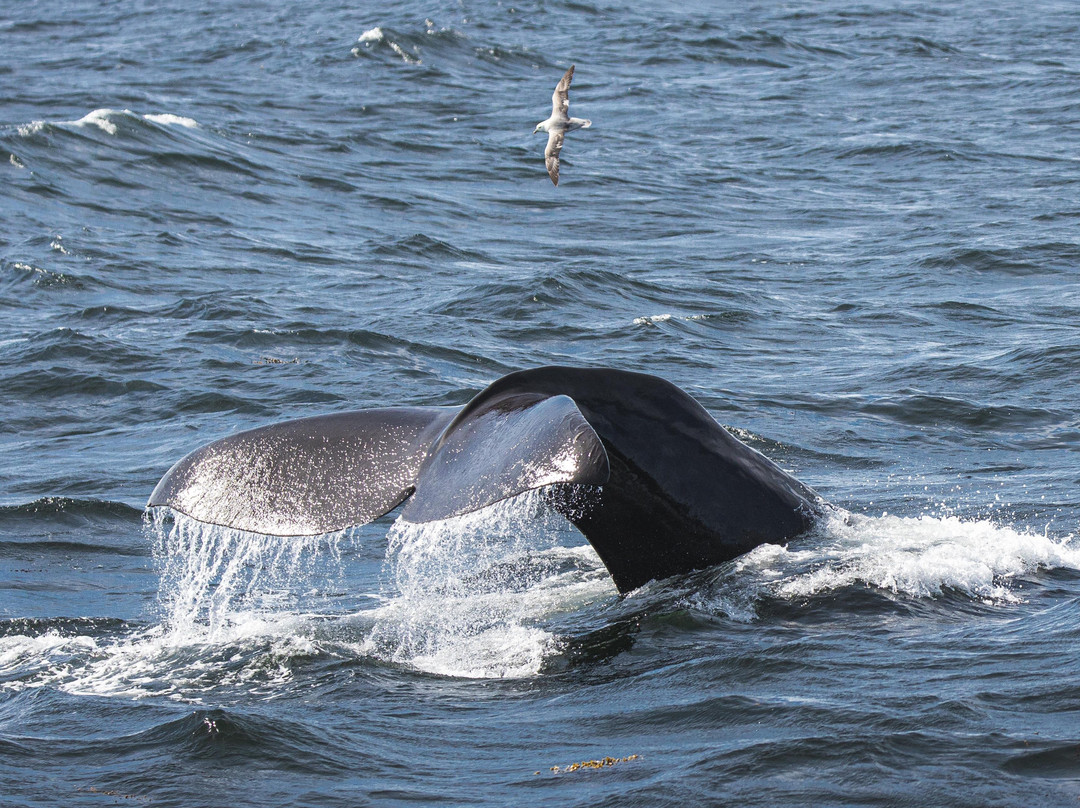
559 124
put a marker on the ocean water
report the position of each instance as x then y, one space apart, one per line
849 229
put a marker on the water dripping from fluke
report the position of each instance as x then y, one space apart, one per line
478 595
215 580
234 609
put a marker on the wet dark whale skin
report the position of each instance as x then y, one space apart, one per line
683 493
654 483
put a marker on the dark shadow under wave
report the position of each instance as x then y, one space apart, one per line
1057 761
39 549
71 511
234 737
1026 260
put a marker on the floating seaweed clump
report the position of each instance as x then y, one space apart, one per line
592 764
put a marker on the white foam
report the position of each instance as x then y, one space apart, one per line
168 119
506 651
655 319
100 119
17 651
255 655
372 35
918 557
30 129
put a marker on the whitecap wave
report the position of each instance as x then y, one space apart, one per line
376 36
107 120
656 319
168 119
102 119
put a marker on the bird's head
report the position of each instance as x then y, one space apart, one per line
540 128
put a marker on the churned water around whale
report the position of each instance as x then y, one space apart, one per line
848 229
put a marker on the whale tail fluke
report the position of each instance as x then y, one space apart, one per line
669 489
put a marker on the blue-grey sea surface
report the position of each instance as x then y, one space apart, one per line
850 229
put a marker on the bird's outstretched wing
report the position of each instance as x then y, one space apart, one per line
560 99
551 154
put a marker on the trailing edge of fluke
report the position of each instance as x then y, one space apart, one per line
656 485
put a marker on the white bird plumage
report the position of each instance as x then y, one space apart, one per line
559 124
